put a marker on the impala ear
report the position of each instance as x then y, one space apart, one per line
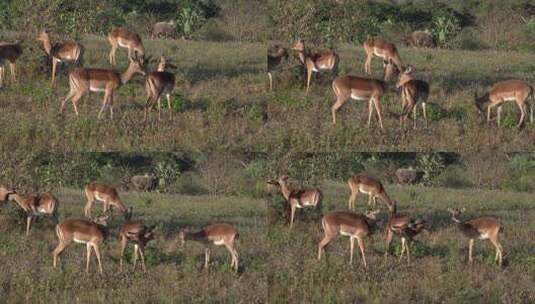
408 69
463 209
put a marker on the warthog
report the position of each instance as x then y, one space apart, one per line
163 29
419 39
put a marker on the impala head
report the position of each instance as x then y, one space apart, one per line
390 70
299 45
102 219
136 66
480 101
405 76
42 36
372 214
455 213
181 238
4 194
419 225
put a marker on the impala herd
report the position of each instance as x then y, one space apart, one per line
359 226
93 231
412 91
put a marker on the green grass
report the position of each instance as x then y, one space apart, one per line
454 124
174 273
438 272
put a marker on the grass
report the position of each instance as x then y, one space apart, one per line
454 124
174 273
438 272
216 91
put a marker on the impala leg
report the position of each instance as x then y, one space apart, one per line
402 248
88 205
309 77
424 108
159 109
379 111
1 75
292 214
361 246
231 251
499 250
352 199
236 256
370 110
88 248
141 250
168 96
57 252
54 66
12 69
367 64
339 103
136 249
122 243
104 102
522 115
414 116
74 101
28 224
499 111
270 77
351 246
326 239
408 245
112 53
470 248
389 235
97 253
110 104
206 257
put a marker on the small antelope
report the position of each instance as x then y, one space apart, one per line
316 62
367 185
121 37
482 228
4 193
65 51
413 91
9 52
84 80
136 232
383 49
508 90
275 55
89 232
34 204
298 199
216 234
358 88
107 195
157 83
348 223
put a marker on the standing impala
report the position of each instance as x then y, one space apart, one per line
9 52
65 51
216 234
107 195
89 232
121 37
315 62
383 49
275 55
34 204
157 83
358 88
348 223
482 228
508 90
298 199
136 232
367 185
84 80
413 91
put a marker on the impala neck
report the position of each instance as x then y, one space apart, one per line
19 200
47 45
127 75
285 190
301 55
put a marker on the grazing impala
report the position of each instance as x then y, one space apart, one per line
89 232
136 232
348 223
301 198
367 185
508 90
34 204
9 52
313 63
275 55
383 49
84 80
65 51
107 195
121 37
479 228
157 83
358 88
4 192
413 91
216 234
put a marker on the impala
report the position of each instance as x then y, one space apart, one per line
298 199
136 232
383 49
367 185
508 90
482 228
157 83
275 55
89 232
65 51
121 37
9 52
413 91
347 223
358 88
216 234
4 192
327 60
84 80
107 195
34 204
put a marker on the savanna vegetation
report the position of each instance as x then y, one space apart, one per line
174 273
438 272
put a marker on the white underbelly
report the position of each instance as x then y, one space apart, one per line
219 242
362 190
95 89
42 210
357 97
122 44
509 99
80 241
342 232
483 236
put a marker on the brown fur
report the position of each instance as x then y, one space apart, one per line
60 51
136 232
9 52
314 62
107 194
369 185
377 46
121 37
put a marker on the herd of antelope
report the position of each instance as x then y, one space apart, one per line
359 226
93 231
413 91
83 80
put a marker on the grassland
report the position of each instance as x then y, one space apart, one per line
215 104
174 273
438 272
454 75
